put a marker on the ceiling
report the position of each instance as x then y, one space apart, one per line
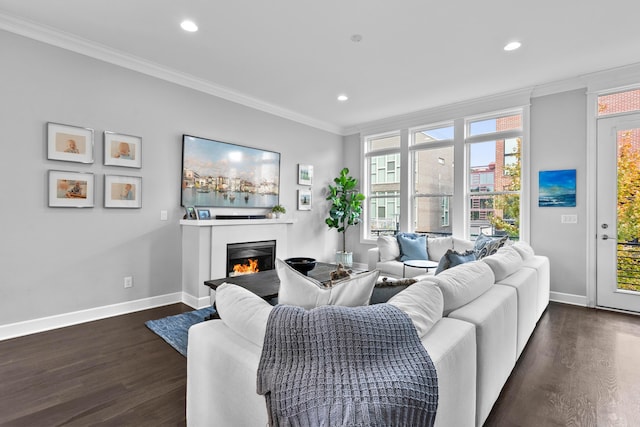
294 57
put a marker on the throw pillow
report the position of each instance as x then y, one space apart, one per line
303 291
412 246
389 249
438 246
466 283
243 312
486 245
523 249
453 258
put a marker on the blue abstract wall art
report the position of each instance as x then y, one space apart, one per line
557 188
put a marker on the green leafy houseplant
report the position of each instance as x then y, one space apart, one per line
278 210
346 204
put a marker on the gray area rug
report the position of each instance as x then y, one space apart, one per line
175 329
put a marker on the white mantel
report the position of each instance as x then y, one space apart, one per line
204 248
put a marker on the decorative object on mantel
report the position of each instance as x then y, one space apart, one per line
305 174
122 191
71 189
69 143
122 150
304 200
278 210
345 210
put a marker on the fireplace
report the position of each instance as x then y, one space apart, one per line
250 257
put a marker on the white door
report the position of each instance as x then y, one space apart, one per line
618 213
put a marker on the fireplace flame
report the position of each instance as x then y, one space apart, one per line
249 268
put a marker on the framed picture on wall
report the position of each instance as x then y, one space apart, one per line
557 188
122 150
122 191
304 200
305 174
69 143
71 189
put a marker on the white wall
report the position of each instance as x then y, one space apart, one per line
61 260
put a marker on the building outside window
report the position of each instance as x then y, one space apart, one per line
382 184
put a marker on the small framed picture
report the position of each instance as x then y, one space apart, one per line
190 212
71 189
304 200
204 214
69 143
122 150
122 191
305 174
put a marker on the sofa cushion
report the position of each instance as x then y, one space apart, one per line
524 249
463 284
243 311
389 248
485 245
453 258
462 245
504 262
423 302
438 246
300 290
412 246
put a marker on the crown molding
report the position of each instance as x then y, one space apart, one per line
103 53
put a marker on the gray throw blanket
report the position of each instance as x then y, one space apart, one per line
346 366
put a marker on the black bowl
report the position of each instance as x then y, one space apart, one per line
302 264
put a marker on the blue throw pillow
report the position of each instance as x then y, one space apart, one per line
485 245
453 258
412 246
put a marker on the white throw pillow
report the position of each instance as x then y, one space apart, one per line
303 291
438 246
423 302
243 311
389 248
504 263
463 284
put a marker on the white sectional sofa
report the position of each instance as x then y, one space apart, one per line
474 320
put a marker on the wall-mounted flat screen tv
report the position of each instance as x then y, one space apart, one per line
220 174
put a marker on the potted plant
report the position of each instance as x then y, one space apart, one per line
345 210
278 210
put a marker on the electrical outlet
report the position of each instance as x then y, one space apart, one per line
128 282
163 215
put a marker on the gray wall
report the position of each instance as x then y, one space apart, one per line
559 141
60 260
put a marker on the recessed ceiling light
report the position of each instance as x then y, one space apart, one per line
189 26
512 46
343 98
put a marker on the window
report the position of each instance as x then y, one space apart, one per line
481 195
432 160
620 102
494 147
383 184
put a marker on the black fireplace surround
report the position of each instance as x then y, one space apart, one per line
264 252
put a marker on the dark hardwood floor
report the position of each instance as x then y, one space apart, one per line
109 372
580 368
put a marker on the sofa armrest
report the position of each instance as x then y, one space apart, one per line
373 257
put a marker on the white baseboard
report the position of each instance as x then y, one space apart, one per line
568 298
28 327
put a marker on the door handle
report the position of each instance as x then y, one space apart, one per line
605 237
